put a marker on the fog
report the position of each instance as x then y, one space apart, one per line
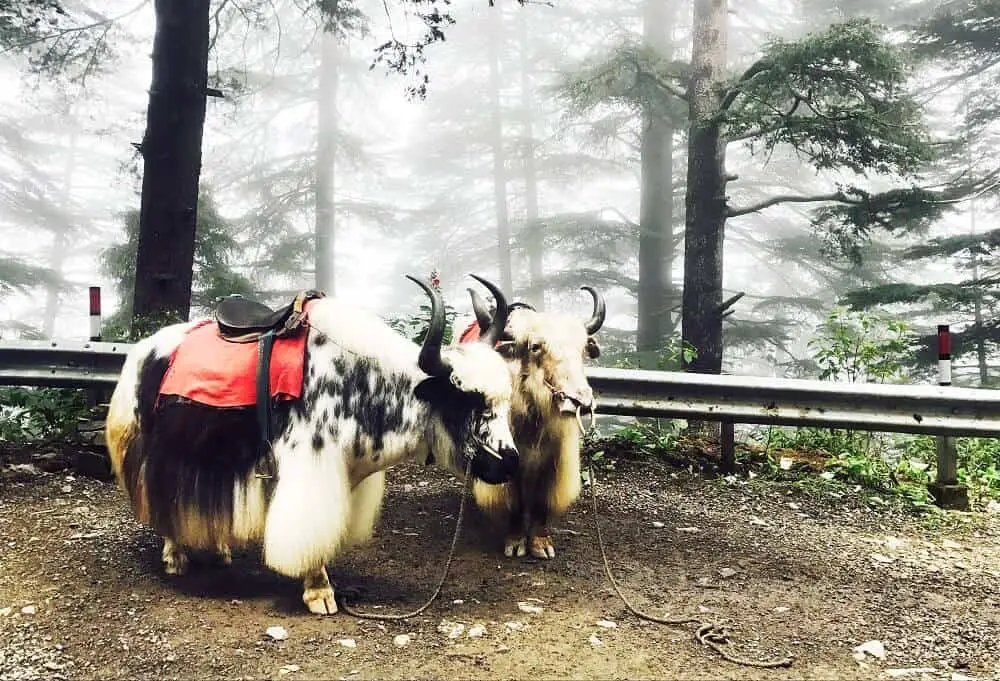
518 114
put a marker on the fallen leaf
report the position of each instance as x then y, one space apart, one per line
607 624
288 669
401 640
348 642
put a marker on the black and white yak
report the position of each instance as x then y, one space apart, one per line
370 399
545 354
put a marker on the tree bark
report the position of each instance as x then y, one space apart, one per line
171 150
494 31
326 150
655 202
536 235
705 200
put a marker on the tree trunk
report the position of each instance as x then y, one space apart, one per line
171 150
655 203
705 200
536 235
494 30
60 240
326 149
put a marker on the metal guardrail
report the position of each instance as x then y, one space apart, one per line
934 410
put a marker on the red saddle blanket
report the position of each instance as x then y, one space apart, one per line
470 334
206 368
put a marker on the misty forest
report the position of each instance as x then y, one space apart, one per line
771 188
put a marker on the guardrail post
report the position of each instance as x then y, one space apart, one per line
945 489
96 396
727 447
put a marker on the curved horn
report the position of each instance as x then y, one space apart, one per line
481 309
490 335
596 320
430 361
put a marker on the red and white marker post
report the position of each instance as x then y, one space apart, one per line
95 313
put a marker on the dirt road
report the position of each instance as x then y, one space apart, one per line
82 594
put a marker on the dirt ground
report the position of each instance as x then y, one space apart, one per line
811 575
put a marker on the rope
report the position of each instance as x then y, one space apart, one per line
447 567
708 634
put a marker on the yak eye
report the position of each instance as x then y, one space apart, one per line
536 347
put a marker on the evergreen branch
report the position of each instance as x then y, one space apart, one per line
56 35
839 197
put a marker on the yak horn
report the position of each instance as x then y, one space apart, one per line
430 361
600 311
499 321
482 310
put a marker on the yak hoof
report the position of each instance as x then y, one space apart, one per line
320 601
175 559
541 547
515 546
224 554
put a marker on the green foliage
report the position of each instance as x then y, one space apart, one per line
415 326
861 347
672 355
215 257
838 97
31 414
978 463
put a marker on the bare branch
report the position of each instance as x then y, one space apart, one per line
840 197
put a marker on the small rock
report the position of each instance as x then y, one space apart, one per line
956 676
794 506
348 642
514 626
754 520
407 487
423 483
782 609
170 658
892 543
401 640
457 601
949 544
278 633
828 475
607 624
658 524
5 611
67 489
29 610
596 642
476 631
528 607
53 666
727 572
451 629
784 463
880 558
691 529
993 506
288 669
873 648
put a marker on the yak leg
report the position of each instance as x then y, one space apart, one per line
502 504
174 557
317 593
540 543
224 554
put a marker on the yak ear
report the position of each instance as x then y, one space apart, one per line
435 390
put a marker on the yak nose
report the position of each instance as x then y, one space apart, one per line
583 401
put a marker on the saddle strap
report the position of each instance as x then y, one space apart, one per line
264 346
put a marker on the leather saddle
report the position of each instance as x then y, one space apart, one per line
242 320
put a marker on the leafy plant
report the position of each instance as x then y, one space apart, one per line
861 347
32 414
